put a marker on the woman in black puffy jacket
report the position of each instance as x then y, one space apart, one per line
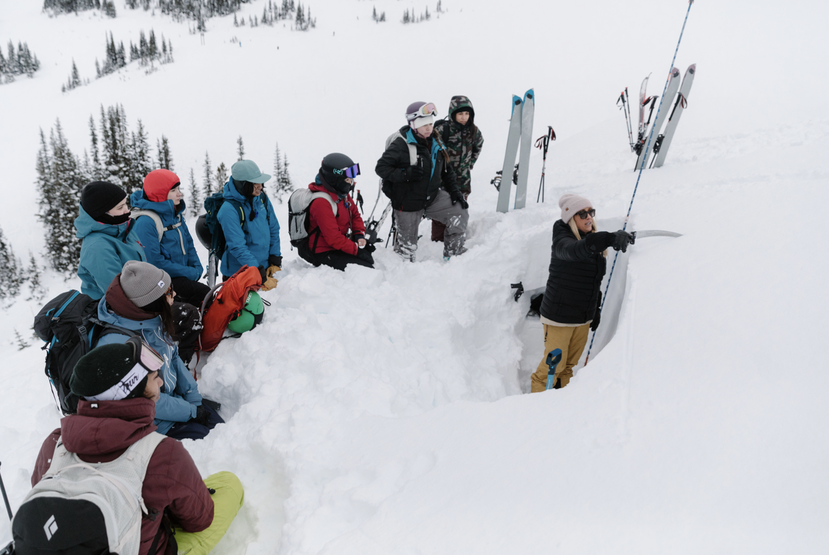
572 299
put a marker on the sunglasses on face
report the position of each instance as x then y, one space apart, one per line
351 171
428 109
584 213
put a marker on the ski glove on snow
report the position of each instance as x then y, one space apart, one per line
274 260
457 197
268 281
202 416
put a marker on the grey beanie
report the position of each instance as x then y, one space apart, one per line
143 283
570 204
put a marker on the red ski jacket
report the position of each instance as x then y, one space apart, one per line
333 230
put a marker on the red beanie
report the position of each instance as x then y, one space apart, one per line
158 183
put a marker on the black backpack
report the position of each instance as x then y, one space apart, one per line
70 327
210 230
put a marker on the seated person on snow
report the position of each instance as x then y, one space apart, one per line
108 240
252 235
119 386
158 211
336 240
140 299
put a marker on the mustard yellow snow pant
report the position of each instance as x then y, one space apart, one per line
226 503
571 341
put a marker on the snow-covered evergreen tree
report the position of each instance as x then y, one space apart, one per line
165 159
33 276
11 274
207 182
221 176
240 148
195 196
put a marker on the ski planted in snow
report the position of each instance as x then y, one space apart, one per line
661 148
670 92
642 129
512 149
527 113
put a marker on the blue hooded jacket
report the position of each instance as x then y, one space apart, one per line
104 251
252 244
180 394
175 253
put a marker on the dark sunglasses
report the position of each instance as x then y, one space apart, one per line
584 213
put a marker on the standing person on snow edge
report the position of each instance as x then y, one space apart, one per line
572 299
140 299
463 141
254 242
174 252
423 188
339 240
119 386
108 240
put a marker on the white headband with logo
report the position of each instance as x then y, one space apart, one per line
123 388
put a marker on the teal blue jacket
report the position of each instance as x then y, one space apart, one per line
175 253
252 243
104 251
180 394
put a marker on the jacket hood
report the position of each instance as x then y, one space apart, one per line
165 209
459 103
157 184
106 427
320 186
85 224
117 309
230 191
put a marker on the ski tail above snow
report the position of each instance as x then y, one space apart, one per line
676 113
527 113
670 92
509 158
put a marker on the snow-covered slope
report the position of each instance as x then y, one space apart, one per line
382 411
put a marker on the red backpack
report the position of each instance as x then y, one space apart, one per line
224 303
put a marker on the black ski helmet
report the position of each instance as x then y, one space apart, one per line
332 171
203 232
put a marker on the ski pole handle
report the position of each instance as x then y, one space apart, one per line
553 358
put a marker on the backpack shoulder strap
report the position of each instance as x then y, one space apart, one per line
159 226
327 197
238 205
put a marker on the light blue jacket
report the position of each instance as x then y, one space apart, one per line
180 394
258 239
175 253
104 251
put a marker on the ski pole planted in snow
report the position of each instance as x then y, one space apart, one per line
553 358
639 176
543 143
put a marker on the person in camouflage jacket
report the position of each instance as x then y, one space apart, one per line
463 141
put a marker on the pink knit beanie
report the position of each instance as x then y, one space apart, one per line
570 204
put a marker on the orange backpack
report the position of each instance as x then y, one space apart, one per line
224 303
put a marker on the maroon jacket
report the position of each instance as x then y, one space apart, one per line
332 230
102 430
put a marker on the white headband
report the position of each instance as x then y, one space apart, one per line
124 387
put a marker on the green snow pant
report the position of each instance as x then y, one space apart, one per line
226 503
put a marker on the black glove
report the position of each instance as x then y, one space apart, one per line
274 260
594 325
369 248
202 416
263 274
622 239
599 240
414 173
365 256
457 197
215 405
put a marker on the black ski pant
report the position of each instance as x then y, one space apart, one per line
335 259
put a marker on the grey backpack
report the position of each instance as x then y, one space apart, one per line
81 508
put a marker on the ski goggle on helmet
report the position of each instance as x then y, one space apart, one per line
426 110
350 171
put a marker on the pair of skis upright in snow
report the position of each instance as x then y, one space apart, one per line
520 132
674 93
